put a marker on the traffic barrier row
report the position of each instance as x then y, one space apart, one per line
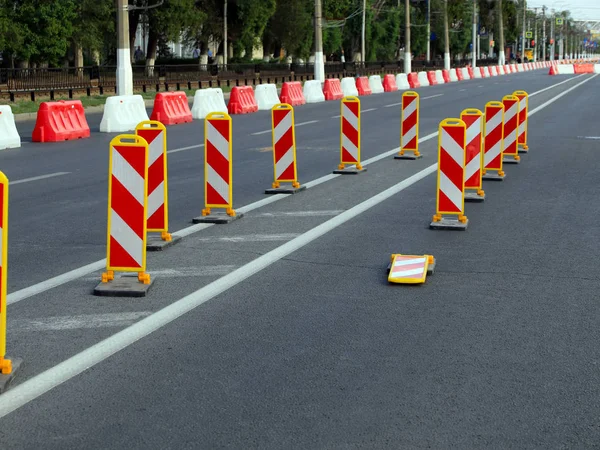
474 148
574 69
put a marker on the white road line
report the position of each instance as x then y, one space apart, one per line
251 238
433 96
108 320
335 117
40 177
332 212
301 124
557 96
53 377
461 90
591 138
183 149
368 110
554 85
392 105
99 265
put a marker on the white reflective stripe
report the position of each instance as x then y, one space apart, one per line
493 123
156 199
511 112
410 108
491 154
456 152
409 135
217 140
127 176
510 139
155 148
454 194
283 126
286 160
473 166
350 147
217 183
125 236
408 262
473 131
407 273
349 116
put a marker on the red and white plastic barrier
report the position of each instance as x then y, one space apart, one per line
493 137
473 119
284 146
350 133
450 198
409 124
511 121
218 167
155 134
523 119
389 83
127 207
332 89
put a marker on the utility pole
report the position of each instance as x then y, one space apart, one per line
407 52
319 65
501 55
428 30
524 30
362 43
535 36
446 38
552 52
544 33
124 71
225 49
474 36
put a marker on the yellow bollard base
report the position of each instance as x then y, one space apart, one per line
409 154
7 377
459 223
156 243
350 169
126 285
219 217
474 196
293 189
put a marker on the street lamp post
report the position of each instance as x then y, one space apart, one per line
474 36
407 52
319 64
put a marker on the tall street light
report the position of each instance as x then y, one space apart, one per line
319 65
124 71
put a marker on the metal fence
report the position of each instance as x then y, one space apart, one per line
102 79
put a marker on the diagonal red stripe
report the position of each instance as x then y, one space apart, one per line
155 174
217 161
411 145
347 157
353 106
222 126
445 205
493 137
409 267
127 207
149 134
279 115
283 145
473 150
213 197
157 220
474 180
349 132
288 174
119 257
451 169
458 134
409 122
134 155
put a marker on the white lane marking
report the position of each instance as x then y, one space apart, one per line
332 212
392 105
433 96
40 177
335 117
557 96
183 149
296 125
368 110
99 265
461 90
554 85
251 238
592 138
108 320
55 376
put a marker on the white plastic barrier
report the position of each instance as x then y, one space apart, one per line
313 92
266 96
349 87
439 77
375 84
477 72
501 70
597 68
453 76
423 80
465 73
520 68
402 81
565 69
208 100
123 113
9 136
513 68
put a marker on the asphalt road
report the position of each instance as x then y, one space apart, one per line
281 331
58 224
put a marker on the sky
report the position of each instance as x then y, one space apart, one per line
580 9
